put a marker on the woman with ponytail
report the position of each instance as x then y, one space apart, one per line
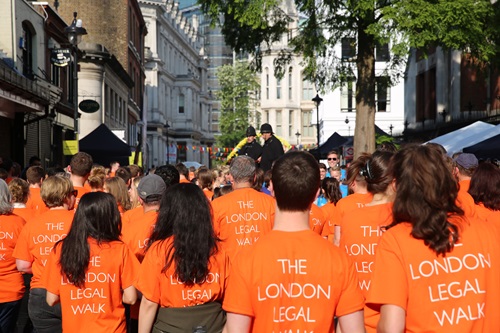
435 269
91 271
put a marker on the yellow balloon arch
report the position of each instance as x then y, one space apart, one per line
240 145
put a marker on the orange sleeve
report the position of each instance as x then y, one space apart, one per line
388 271
22 249
148 281
351 299
238 298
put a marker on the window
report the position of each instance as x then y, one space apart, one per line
279 130
382 94
307 90
348 49
307 128
181 103
290 123
348 96
382 52
278 88
55 75
26 45
290 83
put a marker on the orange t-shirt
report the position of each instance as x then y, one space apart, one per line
39 236
136 233
26 213
35 201
453 293
329 213
492 216
98 306
131 215
167 291
241 217
316 219
81 191
11 280
344 205
360 233
209 194
464 199
291 282
184 181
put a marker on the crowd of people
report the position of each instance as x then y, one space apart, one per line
401 240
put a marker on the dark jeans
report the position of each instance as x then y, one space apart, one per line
45 318
24 324
8 316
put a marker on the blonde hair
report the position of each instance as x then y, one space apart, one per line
20 190
55 190
96 178
134 203
117 187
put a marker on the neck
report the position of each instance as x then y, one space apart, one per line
237 186
380 199
77 180
291 221
149 208
34 185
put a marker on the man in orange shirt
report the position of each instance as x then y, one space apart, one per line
244 215
292 280
35 176
79 168
465 164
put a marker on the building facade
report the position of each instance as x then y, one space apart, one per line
178 98
36 99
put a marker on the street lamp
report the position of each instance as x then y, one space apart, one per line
75 32
167 126
348 127
391 128
317 100
297 135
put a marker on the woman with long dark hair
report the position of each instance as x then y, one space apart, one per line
184 271
435 269
91 271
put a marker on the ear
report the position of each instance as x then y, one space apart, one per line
69 168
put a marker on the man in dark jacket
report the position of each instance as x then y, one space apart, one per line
272 149
252 148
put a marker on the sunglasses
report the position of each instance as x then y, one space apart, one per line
332 158
74 192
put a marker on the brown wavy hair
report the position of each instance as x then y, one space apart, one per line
426 196
485 186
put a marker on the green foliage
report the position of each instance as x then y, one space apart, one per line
238 87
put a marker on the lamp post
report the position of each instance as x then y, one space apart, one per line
167 126
348 127
297 135
75 32
391 128
317 100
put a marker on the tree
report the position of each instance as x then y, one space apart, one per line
250 25
237 93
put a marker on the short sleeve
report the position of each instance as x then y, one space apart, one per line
22 250
238 293
51 276
148 281
130 268
351 299
388 271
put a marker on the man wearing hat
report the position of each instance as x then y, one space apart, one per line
272 149
465 164
136 233
252 148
